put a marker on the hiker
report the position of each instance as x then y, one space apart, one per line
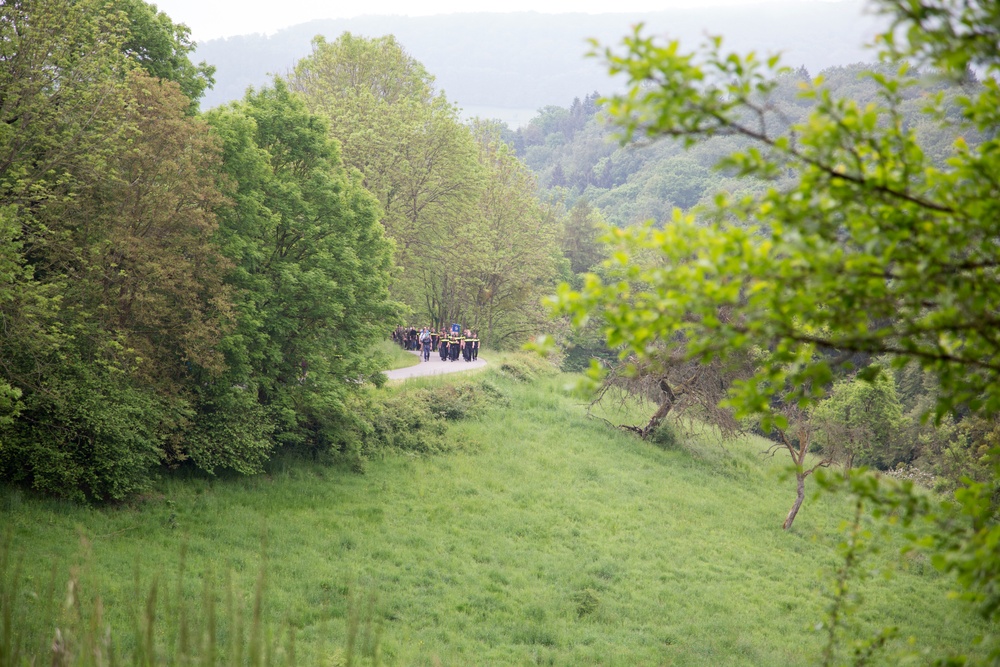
444 345
425 343
467 346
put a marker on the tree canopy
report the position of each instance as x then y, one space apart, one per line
870 248
162 48
473 243
172 291
310 264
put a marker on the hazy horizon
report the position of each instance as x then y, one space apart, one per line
510 65
229 18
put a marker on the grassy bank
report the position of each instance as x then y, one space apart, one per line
544 538
397 356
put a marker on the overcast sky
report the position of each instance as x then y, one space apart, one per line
209 19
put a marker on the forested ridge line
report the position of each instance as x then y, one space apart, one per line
576 155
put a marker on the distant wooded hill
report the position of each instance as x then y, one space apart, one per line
509 65
574 153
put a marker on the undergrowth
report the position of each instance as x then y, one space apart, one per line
524 367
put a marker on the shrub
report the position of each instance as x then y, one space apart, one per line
526 367
232 430
664 436
89 435
586 601
407 422
494 396
459 401
376 422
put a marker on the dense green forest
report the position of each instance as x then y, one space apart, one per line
204 289
576 153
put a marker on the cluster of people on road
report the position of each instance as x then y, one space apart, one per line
449 343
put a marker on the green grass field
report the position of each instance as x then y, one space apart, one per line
397 356
544 538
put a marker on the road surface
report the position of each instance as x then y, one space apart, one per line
434 367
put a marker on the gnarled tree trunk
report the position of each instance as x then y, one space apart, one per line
800 494
661 412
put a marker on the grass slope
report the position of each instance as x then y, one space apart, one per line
397 356
546 538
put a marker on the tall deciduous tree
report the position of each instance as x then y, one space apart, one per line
580 240
149 270
415 155
64 90
517 242
311 266
141 305
162 48
862 420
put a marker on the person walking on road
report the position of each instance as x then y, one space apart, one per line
467 345
425 343
443 345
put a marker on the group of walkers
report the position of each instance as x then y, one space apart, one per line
449 344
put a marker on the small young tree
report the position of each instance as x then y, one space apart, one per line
797 440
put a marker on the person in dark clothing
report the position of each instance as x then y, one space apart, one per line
467 346
456 345
444 346
475 345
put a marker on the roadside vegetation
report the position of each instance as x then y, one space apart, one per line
396 356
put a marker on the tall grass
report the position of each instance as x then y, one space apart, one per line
68 625
396 356
543 537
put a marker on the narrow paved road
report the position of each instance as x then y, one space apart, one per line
434 367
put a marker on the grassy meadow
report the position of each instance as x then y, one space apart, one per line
544 537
